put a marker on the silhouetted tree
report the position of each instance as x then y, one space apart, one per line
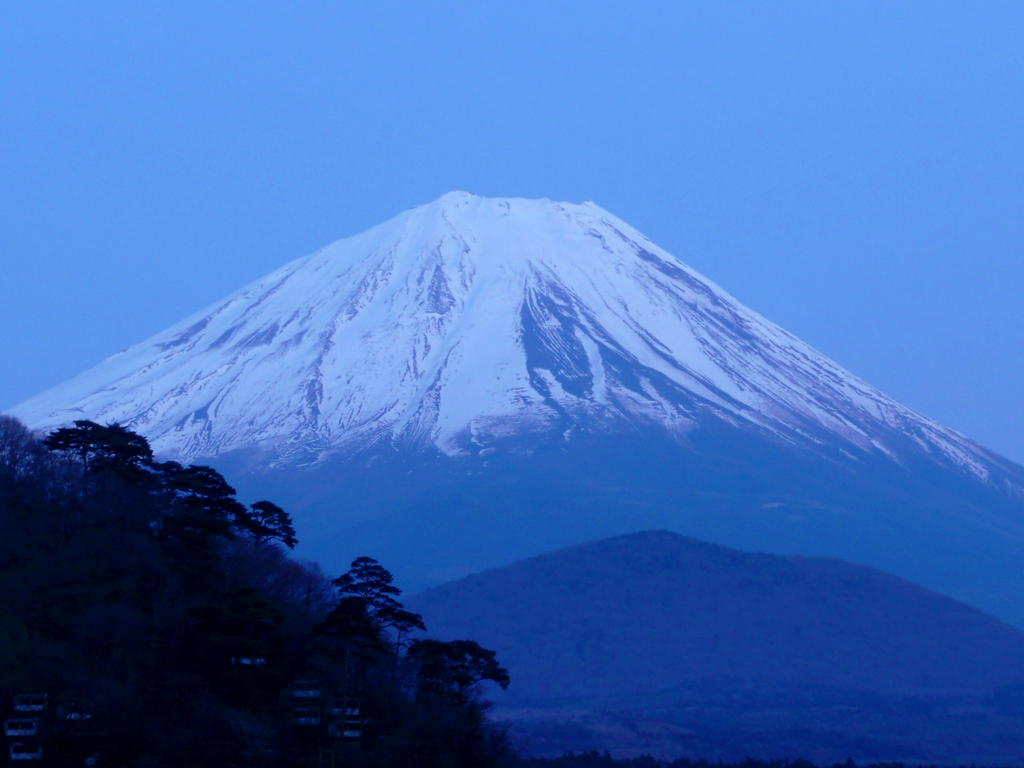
369 581
267 522
452 669
98 447
20 455
204 503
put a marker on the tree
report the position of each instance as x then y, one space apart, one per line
451 718
26 472
366 611
267 521
20 454
351 625
238 641
97 447
452 669
369 581
205 503
14 647
240 624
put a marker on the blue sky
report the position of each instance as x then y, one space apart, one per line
853 170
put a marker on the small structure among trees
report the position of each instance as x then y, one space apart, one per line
31 702
18 751
27 726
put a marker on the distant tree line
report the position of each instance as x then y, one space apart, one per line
164 623
595 759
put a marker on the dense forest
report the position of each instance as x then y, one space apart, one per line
604 760
150 618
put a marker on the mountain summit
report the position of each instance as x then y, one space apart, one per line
478 380
469 320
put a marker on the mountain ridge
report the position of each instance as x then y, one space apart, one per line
628 560
656 642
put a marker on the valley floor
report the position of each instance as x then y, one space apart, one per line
738 727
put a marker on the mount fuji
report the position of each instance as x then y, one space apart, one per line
477 380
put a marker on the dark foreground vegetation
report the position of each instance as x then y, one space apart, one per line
148 618
604 760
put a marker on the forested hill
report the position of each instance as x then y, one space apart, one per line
149 618
655 642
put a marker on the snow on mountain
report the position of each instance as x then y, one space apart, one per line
468 320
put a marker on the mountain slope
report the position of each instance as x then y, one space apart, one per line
644 612
478 380
469 319
661 627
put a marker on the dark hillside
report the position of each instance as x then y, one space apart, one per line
148 618
659 623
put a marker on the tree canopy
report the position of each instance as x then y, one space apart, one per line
145 593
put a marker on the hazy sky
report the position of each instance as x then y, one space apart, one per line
852 170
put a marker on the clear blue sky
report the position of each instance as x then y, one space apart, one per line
853 170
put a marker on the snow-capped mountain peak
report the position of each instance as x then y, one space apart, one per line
469 320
